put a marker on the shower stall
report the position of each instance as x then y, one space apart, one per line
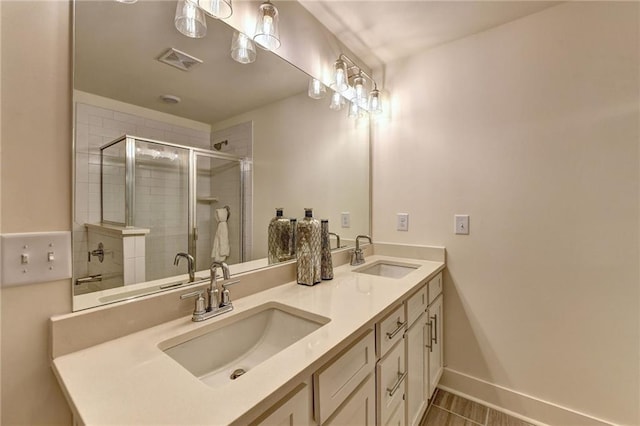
179 196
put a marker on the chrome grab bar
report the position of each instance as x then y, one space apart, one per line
395 387
400 325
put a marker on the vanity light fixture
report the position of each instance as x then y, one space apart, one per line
337 101
317 90
219 9
243 49
267 33
358 85
349 80
353 109
340 77
190 20
375 103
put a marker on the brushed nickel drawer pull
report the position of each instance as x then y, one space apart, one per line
395 387
429 339
393 333
435 326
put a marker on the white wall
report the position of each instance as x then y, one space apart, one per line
306 155
36 196
532 129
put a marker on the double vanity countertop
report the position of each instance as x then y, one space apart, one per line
130 380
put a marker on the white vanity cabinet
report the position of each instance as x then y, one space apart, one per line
335 383
423 345
293 410
391 373
435 346
416 356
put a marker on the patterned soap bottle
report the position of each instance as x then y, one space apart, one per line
279 238
308 249
326 264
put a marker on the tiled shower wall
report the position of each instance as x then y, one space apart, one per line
96 126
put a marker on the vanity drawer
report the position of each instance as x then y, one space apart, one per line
435 287
391 376
337 379
416 305
360 408
389 331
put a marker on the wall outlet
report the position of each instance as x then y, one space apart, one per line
35 257
403 221
345 219
462 224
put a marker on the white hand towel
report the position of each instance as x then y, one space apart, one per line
220 250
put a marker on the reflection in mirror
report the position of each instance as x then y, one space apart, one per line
194 161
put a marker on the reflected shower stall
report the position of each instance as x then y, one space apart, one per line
175 198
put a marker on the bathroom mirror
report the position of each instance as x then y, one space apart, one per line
183 145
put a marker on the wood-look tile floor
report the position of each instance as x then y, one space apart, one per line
452 410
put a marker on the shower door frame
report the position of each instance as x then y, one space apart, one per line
193 198
193 153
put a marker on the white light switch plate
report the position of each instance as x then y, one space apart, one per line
403 221
35 257
462 224
345 219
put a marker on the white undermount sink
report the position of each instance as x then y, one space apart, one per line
387 269
233 346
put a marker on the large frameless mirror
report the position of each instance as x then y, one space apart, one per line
181 149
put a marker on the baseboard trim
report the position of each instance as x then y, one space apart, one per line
517 404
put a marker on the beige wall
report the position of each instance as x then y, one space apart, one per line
532 129
36 196
307 155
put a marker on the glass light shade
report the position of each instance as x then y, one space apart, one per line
190 19
358 85
242 48
340 83
353 109
219 9
375 103
267 33
316 89
337 102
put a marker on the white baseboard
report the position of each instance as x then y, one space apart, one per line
526 407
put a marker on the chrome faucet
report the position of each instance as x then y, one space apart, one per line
357 255
219 299
190 264
337 238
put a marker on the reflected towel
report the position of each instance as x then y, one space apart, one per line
220 250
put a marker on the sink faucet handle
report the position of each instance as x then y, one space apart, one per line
226 298
199 307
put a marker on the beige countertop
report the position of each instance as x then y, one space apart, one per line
129 380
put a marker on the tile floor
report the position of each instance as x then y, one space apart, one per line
452 410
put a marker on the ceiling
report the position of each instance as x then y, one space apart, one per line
116 51
379 32
117 47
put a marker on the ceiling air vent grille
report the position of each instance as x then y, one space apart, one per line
179 59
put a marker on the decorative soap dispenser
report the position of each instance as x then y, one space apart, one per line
308 249
326 264
280 238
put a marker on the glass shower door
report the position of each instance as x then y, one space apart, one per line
217 210
162 205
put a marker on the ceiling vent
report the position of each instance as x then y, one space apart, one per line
179 59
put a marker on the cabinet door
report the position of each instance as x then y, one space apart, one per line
293 410
390 376
415 347
359 409
397 418
435 343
